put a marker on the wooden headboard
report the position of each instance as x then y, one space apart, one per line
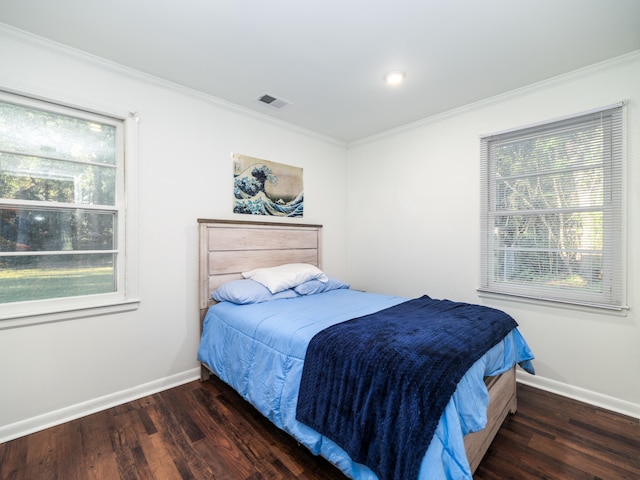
229 247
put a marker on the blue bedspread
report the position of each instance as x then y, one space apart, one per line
377 385
259 350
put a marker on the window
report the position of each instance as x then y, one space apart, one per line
62 205
552 206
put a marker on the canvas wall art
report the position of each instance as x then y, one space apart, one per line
262 187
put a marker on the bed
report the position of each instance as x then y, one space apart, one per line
259 348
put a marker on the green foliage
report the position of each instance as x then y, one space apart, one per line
18 285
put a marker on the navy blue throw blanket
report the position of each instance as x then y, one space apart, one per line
377 385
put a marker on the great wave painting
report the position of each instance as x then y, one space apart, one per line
261 187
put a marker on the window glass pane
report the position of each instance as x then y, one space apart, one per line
32 178
550 251
579 231
42 133
36 277
525 269
572 189
37 229
579 147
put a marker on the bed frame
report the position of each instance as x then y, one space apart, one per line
229 247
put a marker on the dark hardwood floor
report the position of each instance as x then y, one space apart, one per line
206 431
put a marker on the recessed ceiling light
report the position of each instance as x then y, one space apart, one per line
395 77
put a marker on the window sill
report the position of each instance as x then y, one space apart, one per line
585 307
27 319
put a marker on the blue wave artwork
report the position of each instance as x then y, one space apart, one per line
261 187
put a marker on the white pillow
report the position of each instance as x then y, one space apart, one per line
285 276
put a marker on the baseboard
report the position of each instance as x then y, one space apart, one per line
57 417
41 422
583 395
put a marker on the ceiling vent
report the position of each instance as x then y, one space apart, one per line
272 101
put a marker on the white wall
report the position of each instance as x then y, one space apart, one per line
414 225
56 371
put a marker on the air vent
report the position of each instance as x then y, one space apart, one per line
272 101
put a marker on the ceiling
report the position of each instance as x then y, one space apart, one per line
327 57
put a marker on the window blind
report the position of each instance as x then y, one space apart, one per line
552 210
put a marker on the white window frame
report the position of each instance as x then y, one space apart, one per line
24 313
613 297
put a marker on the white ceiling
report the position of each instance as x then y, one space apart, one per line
328 57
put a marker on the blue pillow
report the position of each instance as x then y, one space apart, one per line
246 291
316 286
